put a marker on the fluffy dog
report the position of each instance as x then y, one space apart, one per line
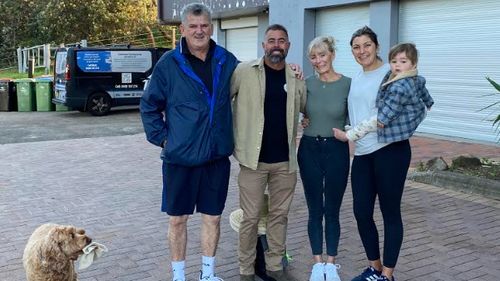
51 251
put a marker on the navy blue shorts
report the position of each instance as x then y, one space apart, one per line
204 187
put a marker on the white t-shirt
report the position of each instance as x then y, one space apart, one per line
361 104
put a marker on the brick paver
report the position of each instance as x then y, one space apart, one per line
111 186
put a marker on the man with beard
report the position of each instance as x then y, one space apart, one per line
267 98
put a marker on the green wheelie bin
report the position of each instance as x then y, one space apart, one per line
26 98
44 94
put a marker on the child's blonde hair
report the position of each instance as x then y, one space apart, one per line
409 48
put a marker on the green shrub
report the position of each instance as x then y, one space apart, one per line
496 107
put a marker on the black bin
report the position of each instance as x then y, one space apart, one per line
8 96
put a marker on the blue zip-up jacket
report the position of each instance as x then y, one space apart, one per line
177 110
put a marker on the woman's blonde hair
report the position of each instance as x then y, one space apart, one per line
322 43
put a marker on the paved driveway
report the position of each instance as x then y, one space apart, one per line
111 186
40 126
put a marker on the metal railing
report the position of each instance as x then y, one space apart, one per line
39 56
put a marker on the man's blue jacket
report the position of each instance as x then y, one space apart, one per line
177 110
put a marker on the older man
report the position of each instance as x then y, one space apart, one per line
187 111
267 100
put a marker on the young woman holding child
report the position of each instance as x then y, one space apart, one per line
398 98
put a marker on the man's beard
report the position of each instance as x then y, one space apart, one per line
276 58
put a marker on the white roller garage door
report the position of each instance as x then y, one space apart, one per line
242 42
458 44
242 37
341 22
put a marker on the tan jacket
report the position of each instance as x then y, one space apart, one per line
248 90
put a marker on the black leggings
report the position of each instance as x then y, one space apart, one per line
324 169
381 173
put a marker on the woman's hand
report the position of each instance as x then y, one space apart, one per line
340 135
305 122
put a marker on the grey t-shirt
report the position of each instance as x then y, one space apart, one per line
326 105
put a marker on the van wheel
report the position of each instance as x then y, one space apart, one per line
99 104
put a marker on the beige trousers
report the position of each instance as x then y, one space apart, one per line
281 186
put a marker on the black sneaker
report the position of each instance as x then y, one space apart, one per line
370 274
281 275
385 278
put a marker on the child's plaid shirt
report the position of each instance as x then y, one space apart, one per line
402 102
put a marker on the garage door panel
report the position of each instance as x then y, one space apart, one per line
242 42
341 22
456 40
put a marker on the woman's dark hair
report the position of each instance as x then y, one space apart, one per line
365 30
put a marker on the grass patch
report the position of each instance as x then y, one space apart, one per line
466 165
487 169
13 74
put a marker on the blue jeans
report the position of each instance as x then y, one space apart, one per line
324 168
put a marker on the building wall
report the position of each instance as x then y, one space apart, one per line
291 15
169 10
451 37
222 11
299 18
263 24
455 40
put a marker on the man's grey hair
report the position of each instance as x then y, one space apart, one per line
195 9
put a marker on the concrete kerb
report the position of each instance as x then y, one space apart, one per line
459 182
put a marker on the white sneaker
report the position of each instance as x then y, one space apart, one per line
318 272
331 272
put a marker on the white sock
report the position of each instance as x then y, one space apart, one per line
178 270
207 266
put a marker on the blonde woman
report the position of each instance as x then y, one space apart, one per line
324 160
